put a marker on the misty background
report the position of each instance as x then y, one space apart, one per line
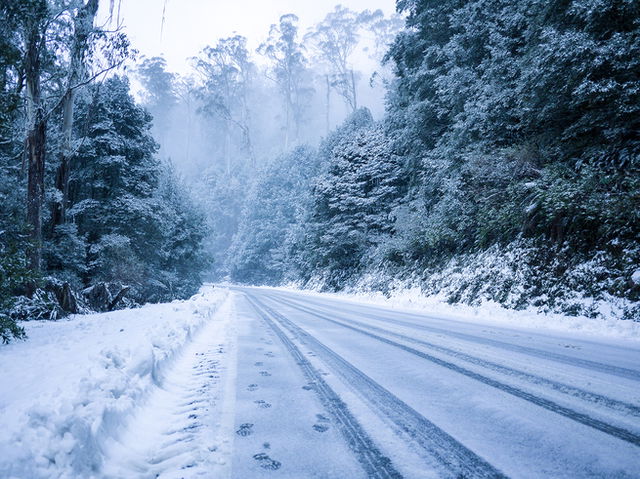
230 92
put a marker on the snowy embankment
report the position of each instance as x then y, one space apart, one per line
493 312
73 385
413 299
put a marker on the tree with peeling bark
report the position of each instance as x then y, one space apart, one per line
82 28
33 30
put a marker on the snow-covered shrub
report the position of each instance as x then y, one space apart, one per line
260 252
9 329
14 274
42 305
526 273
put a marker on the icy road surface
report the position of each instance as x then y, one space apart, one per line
331 388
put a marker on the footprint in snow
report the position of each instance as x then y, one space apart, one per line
262 403
322 418
252 387
265 462
259 363
265 373
269 354
321 427
307 387
245 429
192 427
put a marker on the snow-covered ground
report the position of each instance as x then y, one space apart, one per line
263 382
75 384
413 299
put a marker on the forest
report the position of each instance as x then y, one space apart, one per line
482 150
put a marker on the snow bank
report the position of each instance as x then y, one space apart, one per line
74 383
413 299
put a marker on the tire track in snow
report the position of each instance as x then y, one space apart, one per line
584 419
375 464
548 355
454 459
595 398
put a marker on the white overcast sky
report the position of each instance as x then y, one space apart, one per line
192 24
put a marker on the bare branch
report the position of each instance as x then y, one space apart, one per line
82 84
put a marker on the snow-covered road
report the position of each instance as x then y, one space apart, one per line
412 395
268 383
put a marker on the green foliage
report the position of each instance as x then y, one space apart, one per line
517 119
113 180
260 251
65 254
351 202
184 229
335 39
223 199
129 220
42 305
9 329
132 222
14 274
159 95
289 68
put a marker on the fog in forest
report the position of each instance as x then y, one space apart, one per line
231 108
223 104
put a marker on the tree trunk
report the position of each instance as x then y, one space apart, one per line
114 303
328 114
227 146
62 174
287 124
353 91
188 147
83 25
35 143
246 121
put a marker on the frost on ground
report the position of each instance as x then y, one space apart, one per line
74 385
